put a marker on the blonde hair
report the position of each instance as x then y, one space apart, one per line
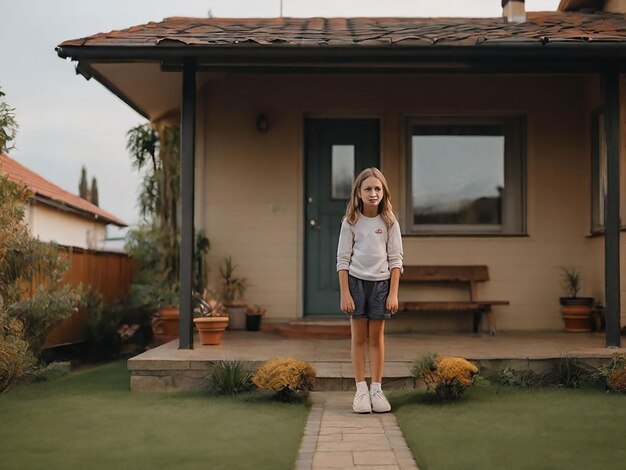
355 205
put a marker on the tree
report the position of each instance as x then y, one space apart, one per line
155 151
83 189
94 192
8 125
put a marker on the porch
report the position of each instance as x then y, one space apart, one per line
167 368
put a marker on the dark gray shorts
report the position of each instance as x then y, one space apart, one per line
369 299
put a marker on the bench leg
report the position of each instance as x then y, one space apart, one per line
491 324
476 321
491 321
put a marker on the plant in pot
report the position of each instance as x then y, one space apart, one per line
211 319
253 317
576 310
233 291
165 322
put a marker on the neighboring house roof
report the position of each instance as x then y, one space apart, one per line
50 194
539 29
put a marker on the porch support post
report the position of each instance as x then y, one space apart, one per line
187 170
611 216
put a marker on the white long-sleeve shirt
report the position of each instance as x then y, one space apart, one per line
369 250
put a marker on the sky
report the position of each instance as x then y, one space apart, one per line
67 122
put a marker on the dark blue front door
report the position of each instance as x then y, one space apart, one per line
336 150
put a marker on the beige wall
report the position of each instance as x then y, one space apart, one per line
51 225
251 195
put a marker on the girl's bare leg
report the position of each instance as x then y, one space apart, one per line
377 349
359 339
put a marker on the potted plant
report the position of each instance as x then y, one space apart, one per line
233 291
211 321
165 322
253 317
576 310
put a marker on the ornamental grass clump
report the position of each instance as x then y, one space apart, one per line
230 378
617 380
291 379
448 377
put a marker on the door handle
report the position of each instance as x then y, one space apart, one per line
314 225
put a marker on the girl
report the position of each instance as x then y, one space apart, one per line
369 261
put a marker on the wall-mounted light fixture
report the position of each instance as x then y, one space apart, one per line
262 123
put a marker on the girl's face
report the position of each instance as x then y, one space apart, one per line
371 193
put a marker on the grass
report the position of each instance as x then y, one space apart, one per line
91 420
496 427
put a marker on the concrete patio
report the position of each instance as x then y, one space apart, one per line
166 368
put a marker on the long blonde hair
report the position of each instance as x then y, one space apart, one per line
355 205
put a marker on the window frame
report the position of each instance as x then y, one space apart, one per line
514 194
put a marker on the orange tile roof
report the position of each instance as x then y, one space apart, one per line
540 27
48 191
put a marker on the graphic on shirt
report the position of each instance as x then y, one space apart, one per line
379 231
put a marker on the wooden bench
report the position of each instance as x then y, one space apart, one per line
471 275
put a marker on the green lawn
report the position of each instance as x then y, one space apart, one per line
506 428
90 420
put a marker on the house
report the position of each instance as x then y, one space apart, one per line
499 138
55 215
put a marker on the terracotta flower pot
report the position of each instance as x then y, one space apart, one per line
211 329
576 313
165 324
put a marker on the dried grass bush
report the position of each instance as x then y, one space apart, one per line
617 380
448 377
289 378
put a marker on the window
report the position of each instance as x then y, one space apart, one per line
466 175
598 172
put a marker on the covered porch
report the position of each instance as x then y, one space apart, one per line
168 368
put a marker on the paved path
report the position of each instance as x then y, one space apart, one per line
337 438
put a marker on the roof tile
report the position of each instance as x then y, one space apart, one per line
556 26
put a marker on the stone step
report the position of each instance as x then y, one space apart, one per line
310 329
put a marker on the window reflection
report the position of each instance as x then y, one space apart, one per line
342 171
458 179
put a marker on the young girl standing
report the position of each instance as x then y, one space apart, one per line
369 261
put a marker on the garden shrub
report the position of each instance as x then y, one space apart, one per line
601 374
448 377
289 378
520 378
230 378
15 356
570 373
617 380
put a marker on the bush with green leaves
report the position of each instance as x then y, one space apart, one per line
33 295
520 378
569 372
230 378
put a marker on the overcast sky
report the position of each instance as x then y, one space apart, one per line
66 122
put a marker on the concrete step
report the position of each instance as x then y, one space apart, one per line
310 329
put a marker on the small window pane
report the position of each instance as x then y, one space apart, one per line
457 179
342 171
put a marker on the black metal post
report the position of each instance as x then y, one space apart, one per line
187 170
611 216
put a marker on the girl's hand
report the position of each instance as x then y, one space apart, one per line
347 303
392 303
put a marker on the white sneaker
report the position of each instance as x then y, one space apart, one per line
379 402
361 402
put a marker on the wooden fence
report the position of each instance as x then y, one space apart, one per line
108 273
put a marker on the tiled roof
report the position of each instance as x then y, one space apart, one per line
540 27
18 173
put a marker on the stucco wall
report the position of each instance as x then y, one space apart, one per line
66 229
252 191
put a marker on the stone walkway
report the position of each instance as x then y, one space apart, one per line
337 438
